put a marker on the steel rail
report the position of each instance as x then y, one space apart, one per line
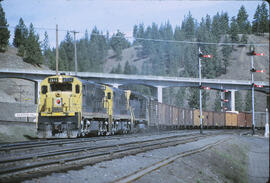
140 173
41 143
80 149
121 148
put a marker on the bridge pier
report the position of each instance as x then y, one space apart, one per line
232 100
37 91
159 93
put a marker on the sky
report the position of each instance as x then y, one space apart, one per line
111 15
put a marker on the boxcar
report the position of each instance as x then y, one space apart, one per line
241 120
248 117
231 119
219 119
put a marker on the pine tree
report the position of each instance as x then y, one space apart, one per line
260 23
242 20
244 39
248 101
234 30
180 97
118 43
238 101
4 32
20 34
193 99
224 23
32 48
117 70
127 68
68 46
216 26
256 21
264 18
46 48
217 106
98 49
226 53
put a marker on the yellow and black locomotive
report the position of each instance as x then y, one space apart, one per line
70 107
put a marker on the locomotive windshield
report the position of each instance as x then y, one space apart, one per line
61 87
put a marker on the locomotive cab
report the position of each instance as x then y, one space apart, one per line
59 107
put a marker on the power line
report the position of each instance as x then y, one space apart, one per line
157 40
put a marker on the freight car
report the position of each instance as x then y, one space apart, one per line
70 107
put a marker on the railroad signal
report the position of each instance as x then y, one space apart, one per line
253 53
205 56
205 87
224 100
259 54
258 86
225 91
254 70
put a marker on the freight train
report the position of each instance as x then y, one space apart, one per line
70 107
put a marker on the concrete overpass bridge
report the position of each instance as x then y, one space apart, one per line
157 82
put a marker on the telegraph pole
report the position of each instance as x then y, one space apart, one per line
200 78
56 68
75 51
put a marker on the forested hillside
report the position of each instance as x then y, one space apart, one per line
155 49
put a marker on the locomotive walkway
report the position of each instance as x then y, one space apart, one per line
157 82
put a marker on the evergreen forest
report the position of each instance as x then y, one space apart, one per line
177 56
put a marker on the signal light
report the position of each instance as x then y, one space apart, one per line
205 56
258 86
224 100
225 91
259 54
205 87
260 70
58 101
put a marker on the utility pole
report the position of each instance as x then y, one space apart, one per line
200 78
75 52
56 68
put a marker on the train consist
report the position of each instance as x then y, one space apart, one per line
70 107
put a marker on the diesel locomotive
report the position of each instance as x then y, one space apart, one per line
70 107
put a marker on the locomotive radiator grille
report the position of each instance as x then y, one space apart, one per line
57 109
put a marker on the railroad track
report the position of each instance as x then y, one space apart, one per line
141 172
7 147
36 164
5 122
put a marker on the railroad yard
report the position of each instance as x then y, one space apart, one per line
134 91
156 156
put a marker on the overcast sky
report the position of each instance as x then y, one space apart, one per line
111 15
